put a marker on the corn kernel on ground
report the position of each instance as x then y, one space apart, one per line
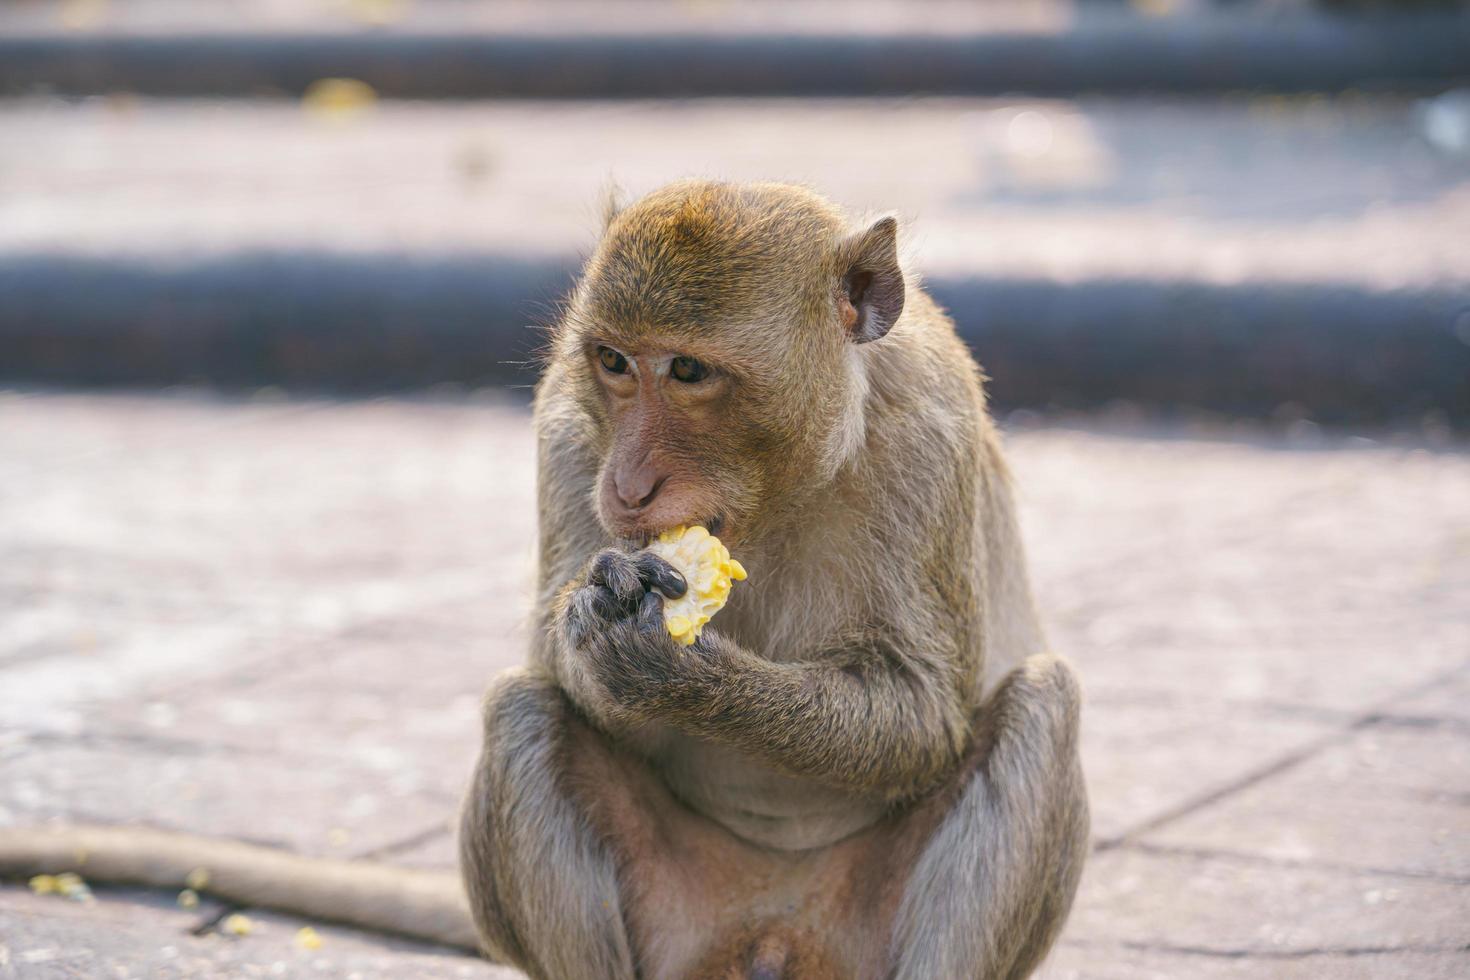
239 925
708 569
68 884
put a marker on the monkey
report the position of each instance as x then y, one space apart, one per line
867 764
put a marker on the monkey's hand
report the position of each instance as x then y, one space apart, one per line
611 628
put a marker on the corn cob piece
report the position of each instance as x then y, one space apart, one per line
707 567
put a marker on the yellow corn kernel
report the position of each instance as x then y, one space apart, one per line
188 899
308 938
708 569
68 884
238 925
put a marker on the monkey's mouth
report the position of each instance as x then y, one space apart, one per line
714 525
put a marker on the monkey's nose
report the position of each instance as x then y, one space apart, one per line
637 489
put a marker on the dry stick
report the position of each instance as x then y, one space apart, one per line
404 901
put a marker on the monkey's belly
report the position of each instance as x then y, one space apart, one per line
757 803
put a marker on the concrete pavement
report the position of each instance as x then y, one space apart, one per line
272 620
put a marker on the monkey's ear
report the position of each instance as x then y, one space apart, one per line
872 282
612 203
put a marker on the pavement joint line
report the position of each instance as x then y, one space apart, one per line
174 748
1298 864
1242 531
1441 797
1386 720
449 589
406 843
149 742
1164 698
1436 723
209 923
1282 764
1302 953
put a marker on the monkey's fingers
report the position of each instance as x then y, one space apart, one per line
651 617
618 573
588 610
658 573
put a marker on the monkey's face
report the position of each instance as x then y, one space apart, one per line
678 447
714 341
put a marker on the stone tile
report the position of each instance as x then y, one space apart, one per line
1385 800
348 952
297 803
1165 915
399 700
269 505
1428 763
208 552
1143 759
439 851
1330 579
1448 701
352 679
1243 906
1070 962
134 934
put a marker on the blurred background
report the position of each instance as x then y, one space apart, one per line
272 277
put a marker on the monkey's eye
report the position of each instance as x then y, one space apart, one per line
687 370
612 361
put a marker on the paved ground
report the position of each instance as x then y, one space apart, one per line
1241 190
272 620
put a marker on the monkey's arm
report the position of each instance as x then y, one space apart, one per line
872 714
410 902
864 717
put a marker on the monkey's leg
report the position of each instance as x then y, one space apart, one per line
542 887
993 884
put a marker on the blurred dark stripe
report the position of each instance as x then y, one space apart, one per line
363 323
1185 54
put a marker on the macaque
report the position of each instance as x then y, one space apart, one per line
866 764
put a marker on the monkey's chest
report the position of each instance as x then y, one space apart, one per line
757 803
